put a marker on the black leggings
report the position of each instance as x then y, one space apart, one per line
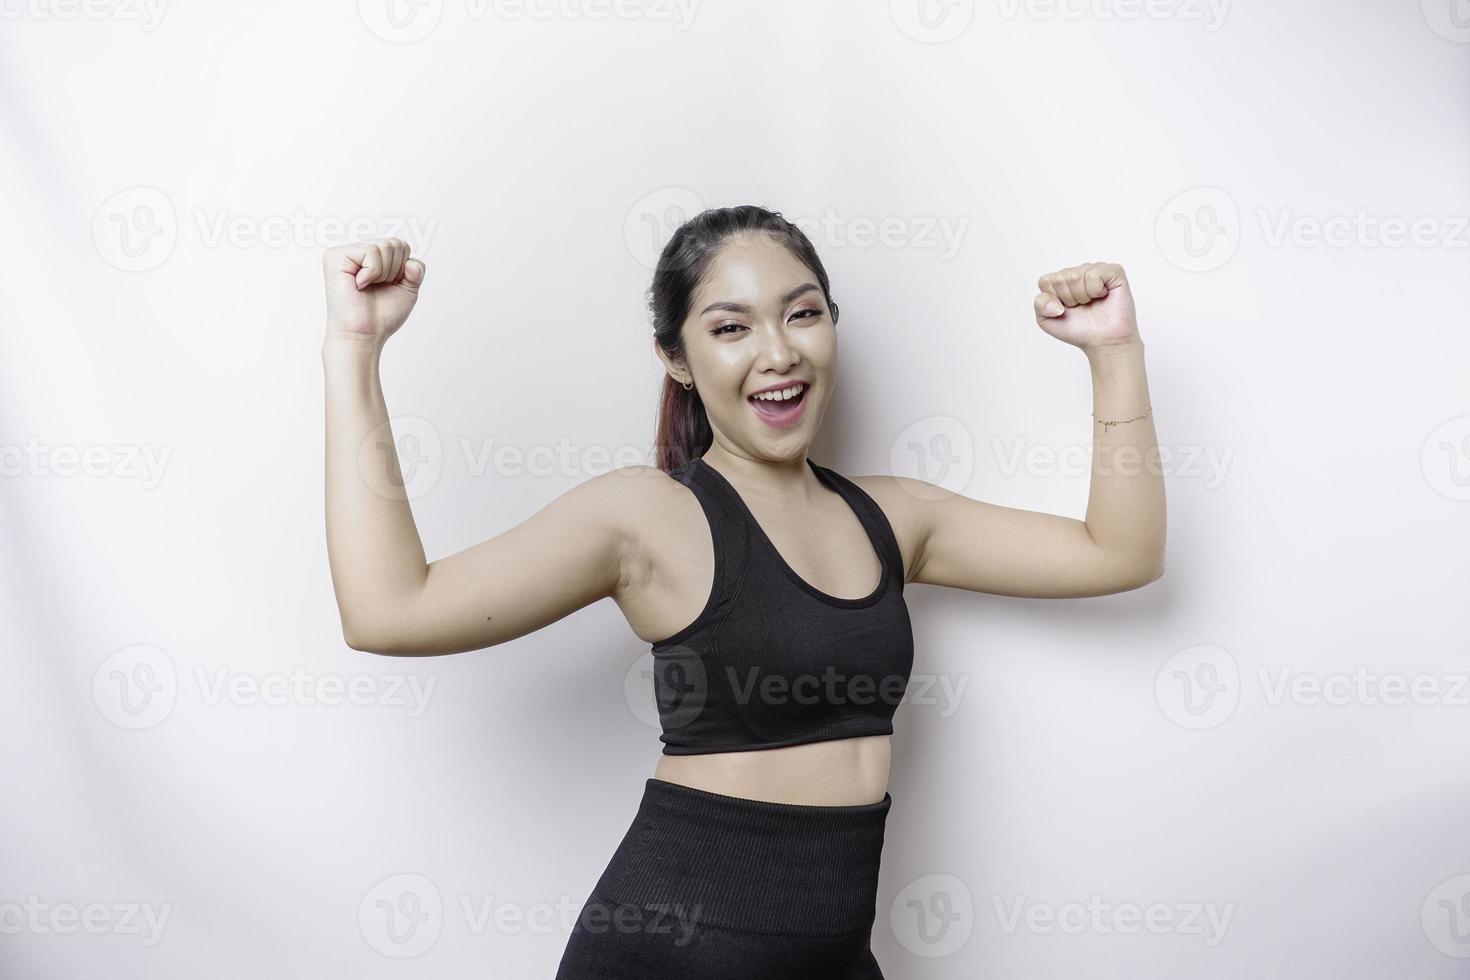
706 886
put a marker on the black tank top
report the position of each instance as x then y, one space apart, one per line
772 660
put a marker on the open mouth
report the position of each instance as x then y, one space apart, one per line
781 412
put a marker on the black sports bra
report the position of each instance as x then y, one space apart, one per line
772 660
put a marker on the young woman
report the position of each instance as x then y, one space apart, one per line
770 586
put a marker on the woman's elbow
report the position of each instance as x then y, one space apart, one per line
1143 575
367 638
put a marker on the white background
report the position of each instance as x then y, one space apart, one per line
155 304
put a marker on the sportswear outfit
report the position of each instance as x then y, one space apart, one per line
705 885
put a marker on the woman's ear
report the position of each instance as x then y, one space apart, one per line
676 369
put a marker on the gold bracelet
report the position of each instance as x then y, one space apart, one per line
1121 421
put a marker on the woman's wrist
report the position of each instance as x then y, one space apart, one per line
349 348
1122 348
1112 360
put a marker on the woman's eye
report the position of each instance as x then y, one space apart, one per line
717 331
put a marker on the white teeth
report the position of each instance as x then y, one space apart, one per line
780 396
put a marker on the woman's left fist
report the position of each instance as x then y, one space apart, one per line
1088 305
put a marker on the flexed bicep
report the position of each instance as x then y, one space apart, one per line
984 547
567 555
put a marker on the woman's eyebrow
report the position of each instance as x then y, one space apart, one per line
742 308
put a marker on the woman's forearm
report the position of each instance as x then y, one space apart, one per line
377 560
1125 504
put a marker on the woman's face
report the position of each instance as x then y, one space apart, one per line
759 322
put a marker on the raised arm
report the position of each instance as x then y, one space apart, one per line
970 544
390 600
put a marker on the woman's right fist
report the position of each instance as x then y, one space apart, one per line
371 288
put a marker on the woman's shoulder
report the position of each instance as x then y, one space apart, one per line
654 514
636 498
629 492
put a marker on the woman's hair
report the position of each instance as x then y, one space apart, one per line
683 430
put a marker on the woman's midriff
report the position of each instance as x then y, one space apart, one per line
838 772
